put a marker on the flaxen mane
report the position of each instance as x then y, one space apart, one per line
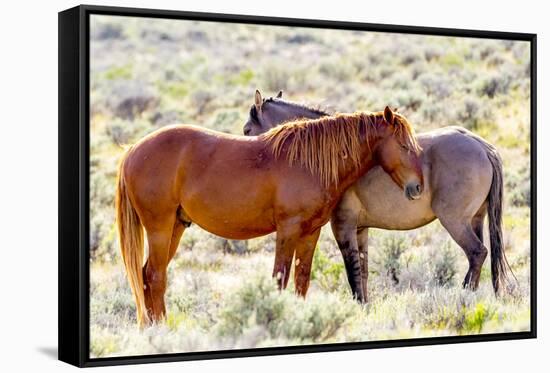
320 144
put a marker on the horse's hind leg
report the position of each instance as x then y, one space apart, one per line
160 234
477 221
177 232
182 222
472 281
466 236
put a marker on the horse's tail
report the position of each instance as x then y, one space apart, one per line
499 263
130 233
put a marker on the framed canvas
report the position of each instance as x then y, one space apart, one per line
234 186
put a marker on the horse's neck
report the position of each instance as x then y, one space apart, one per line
304 112
349 173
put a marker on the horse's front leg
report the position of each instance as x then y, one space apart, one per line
289 243
284 252
305 248
363 245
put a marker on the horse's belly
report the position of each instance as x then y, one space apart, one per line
235 232
385 205
233 228
409 215
233 218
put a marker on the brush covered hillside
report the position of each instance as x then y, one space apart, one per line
148 73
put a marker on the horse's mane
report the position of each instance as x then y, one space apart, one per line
319 145
321 111
317 109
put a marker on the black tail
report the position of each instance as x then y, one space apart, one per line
499 263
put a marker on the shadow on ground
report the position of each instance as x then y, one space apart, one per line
49 351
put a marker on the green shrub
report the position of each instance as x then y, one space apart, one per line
474 320
495 84
275 77
200 99
105 31
437 114
119 133
119 72
436 85
337 69
432 53
318 319
176 90
226 120
452 60
327 273
123 132
444 265
129 99
388 259
410 100
104 342
243 77
474 113
258 303
239 247
519 186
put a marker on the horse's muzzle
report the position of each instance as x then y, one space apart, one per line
413 191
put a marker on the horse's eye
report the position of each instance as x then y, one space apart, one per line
405 147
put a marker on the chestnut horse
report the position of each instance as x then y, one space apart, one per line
463 184
294 176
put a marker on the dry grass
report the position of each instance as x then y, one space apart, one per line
224 301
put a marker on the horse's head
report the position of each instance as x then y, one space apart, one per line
399 154
264 115
273 111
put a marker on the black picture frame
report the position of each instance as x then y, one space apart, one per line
73 253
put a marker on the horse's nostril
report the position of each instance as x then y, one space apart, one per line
418 188
246 131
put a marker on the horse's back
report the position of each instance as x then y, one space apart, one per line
461 173
222 182
163 162
167 147
454 146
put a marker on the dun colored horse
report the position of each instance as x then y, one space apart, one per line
463 184
294 176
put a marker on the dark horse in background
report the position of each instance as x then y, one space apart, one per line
463 184
294 176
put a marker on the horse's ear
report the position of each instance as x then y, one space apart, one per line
280 94
388 115
258 100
